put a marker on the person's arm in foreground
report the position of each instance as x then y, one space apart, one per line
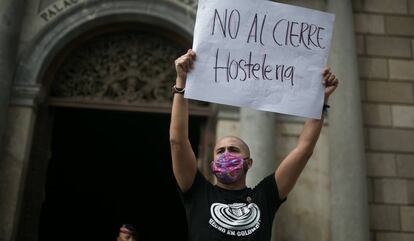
290 168
184 162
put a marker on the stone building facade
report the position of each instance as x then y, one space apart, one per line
85 83
384 32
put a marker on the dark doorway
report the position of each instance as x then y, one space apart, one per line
109 167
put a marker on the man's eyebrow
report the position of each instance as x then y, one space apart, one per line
235 147
228 147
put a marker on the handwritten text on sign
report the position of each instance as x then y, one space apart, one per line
260 54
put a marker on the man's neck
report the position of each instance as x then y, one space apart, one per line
233 186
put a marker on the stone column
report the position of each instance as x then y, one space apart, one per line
10 15
349 205
13 168
257 129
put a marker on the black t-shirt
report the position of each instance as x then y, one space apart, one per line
215 213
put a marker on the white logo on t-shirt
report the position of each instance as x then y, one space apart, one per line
237 219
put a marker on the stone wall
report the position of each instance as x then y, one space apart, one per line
385 42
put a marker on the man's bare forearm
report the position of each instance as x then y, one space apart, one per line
310 135
292 166
183 159
179 116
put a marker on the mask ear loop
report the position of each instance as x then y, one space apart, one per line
245 165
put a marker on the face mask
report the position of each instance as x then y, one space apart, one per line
228 168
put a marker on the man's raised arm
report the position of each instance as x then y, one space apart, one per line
184 162
291 167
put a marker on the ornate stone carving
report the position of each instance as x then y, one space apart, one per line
127 68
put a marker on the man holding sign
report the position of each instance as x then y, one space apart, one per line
287 75
229 210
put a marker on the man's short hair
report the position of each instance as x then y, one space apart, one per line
243 143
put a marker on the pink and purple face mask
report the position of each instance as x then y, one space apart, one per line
228 168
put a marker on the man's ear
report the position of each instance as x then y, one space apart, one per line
249 163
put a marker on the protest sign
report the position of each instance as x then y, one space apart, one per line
260 54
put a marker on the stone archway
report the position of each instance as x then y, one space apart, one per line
28 93
116 67
33 80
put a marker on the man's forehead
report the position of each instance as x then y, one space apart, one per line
228 141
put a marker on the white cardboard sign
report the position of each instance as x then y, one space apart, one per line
260 54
